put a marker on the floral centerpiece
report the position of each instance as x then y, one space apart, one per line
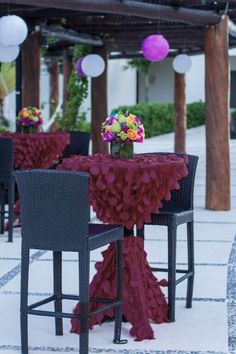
29 119
121 130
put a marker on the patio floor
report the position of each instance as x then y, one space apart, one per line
209 327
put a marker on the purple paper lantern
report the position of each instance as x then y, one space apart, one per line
79 68
155 47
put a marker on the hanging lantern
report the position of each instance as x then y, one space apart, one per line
78 67
8 53
155 47
93 65
13 30
182 63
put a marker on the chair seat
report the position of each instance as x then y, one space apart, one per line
100 235
177 217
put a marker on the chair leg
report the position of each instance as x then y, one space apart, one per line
10 211
84 263
190 242
57 284
2 207
24 300
172 232
119 286
140 232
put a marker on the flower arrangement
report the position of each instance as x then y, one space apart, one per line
123 127
29 116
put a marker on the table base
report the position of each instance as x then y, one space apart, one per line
143 298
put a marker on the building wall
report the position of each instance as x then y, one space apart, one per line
121 84
161 82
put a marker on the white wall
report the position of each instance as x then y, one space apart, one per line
121 84
161 81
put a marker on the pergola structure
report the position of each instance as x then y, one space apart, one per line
118 27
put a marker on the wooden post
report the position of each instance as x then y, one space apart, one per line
217 110
31 70
99 104
180 113
67 67
54 86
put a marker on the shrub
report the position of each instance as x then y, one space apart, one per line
195 114
157 118
233 115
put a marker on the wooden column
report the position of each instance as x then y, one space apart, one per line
67 67
54 86
31 70
99 104
179 113
217 110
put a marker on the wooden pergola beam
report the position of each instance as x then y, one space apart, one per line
217 112
70 35
128 8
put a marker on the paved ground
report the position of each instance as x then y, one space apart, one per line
209 327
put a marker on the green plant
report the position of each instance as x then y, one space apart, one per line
3 129
195 114
233 115
157 118
73 118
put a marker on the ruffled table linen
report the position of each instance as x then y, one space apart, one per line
126 192
37 150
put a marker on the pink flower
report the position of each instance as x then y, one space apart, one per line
108 136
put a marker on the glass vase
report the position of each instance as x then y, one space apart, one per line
29 129
122 150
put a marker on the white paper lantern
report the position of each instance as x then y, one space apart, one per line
13 30
93 65
182 63
8 53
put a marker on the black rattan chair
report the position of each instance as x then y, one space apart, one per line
179 210
7 185
79 144
55 216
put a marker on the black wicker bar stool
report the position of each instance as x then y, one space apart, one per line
7 186
179 210
55 216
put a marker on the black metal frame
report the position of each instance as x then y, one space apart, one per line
79 144
7 186
177 211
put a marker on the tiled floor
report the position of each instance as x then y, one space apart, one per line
209 327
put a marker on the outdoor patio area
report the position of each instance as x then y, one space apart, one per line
209 327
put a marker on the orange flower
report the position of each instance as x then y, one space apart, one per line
130 119
132 135
108 128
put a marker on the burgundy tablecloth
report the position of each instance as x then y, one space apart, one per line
127 192
37 150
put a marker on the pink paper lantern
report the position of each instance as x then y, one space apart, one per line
155 47
79 68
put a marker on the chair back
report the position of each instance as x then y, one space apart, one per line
6 160
54 209
183 198
79 144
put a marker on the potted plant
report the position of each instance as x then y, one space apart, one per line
121 130
29 119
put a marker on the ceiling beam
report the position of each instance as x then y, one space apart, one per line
128 8
70 35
